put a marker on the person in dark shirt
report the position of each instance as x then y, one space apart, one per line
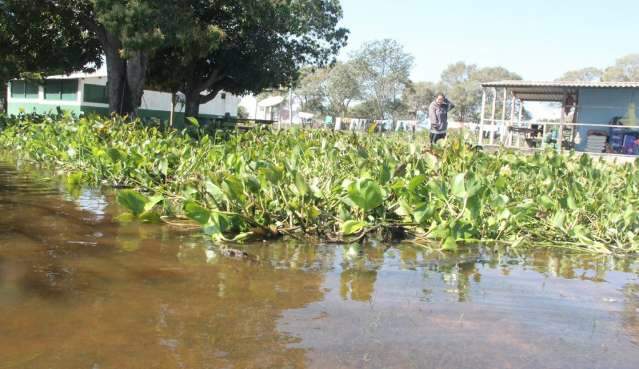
438 116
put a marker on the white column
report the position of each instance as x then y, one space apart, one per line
480 141
494 126
502 139
512 118
521 112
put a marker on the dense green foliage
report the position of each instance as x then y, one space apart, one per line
334 185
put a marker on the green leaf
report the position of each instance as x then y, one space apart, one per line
458 186
150 217
547 202
74 179
196 212
132 201
558 219
449 244
163 166
241 237
193 121
416 182
301 185
252 184
233 187
572 204
152 201
422 213
215 192
115 154
350 227
366 194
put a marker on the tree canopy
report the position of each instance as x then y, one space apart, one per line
589 74
262 44
462 84
36 41
195 46
384 69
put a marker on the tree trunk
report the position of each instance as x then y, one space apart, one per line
125 77
136 67
3 97
119 102
192 105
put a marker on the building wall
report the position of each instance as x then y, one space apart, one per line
154 104
600 106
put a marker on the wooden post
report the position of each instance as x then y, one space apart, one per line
481 118
492 121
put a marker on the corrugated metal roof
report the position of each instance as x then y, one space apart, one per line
561 84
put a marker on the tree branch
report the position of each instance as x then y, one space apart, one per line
214 77
210 96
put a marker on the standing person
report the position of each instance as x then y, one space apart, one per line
438 116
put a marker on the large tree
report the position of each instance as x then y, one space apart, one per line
462 83
589 74
127 32
330 90
35 42
263 44
384 68
418 96
625 69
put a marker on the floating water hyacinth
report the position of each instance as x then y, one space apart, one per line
340 186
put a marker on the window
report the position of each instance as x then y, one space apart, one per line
223 96
24 90
96 94
61 89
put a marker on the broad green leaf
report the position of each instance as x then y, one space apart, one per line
163 166
416 182
150 217
221 221
558 219
233 187
301 185
366 194
152 201
252 184
458 186
547 202
132 201
196 212
572 204
351 227
192 121
74 179
215 192
449 244
115 154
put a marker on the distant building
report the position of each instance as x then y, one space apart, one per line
82 93
595 117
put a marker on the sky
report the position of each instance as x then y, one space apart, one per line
539 40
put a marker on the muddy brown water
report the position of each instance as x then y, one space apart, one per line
79 290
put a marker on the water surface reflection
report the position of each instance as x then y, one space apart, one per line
78 290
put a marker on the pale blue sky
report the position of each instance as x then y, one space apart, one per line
537 39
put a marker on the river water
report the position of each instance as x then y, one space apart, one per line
80 290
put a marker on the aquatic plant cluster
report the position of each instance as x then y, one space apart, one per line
340 186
